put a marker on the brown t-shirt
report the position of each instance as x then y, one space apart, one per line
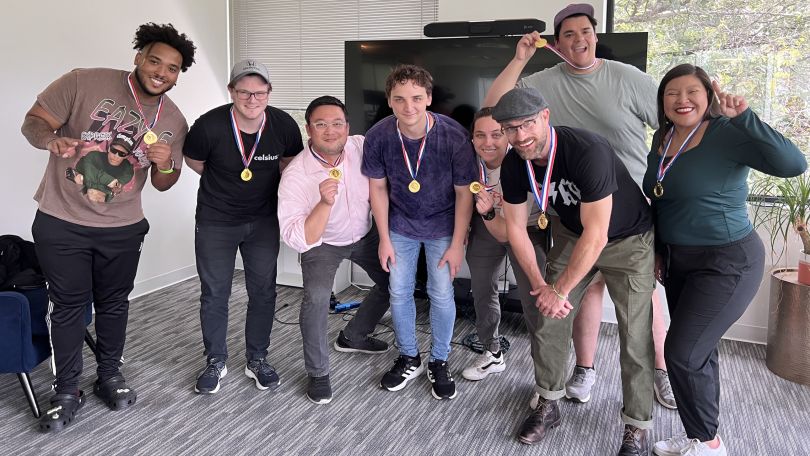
97 187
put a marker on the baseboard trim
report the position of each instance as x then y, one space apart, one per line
738 331
162 281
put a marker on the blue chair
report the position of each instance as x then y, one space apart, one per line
24 338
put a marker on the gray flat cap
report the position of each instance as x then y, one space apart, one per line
518 103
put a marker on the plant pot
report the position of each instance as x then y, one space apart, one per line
788 351
804 269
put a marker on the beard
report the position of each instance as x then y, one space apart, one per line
329 150
145 87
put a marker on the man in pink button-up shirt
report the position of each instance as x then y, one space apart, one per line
324 213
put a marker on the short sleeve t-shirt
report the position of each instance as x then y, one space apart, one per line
585 170
95 105
448 160
223 197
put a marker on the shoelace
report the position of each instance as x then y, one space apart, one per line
693 448
441 374
579 376
211 371
402 363
262 367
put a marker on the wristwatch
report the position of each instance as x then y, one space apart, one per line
489 215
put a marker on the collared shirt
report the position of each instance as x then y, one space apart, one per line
298 193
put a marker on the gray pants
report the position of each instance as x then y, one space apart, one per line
485 256
319 266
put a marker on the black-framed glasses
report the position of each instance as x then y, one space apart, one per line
120 153
525 125
321 125
245 95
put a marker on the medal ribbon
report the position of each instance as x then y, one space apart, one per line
542 197
241 145
323 160
421 149
140 107
559 54
662 170
483 173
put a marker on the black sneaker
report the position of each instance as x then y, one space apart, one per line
263 374
405 368
368 345
208 380
444 387
319 390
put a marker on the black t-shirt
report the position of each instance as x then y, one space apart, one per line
585 170
224 197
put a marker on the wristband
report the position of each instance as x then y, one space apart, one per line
559 295
166 171
489 215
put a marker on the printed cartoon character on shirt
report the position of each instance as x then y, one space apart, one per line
104 174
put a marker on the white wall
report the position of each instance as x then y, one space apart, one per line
42 40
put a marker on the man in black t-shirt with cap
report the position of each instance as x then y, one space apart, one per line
604 225
239 150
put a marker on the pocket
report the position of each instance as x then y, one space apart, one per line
642 283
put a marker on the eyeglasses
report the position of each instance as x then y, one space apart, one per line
525 126
321 126
245 95
120 153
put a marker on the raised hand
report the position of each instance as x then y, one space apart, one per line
730 105
484 202
329 190
526 46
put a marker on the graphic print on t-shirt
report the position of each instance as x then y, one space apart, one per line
110 151
566 190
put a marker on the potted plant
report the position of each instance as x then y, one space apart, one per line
782 207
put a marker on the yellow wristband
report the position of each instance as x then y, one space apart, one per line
559 295
166 171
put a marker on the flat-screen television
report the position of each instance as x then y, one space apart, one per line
463 70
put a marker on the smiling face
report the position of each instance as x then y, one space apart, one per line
489 141
409 103
157 67
328 130
685 101
577 40
257 91
529 135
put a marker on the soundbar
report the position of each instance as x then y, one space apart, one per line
503 27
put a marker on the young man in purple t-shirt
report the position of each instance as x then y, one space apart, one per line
419 165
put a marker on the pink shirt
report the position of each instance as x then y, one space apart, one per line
298 194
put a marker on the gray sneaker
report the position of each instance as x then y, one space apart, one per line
663 390
578 387
681 445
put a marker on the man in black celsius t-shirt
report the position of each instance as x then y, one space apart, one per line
239 150
604 225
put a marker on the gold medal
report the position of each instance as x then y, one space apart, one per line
246 175
150 137
414 186
335 173
542 221
540 43
658 190
476 187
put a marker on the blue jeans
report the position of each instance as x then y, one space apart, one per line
440 292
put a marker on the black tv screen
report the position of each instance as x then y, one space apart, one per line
463 70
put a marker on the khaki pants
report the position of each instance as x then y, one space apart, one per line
627 266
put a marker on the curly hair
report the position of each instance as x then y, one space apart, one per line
165 33
402 74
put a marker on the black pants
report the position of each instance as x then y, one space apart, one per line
708 289
215 247
86 264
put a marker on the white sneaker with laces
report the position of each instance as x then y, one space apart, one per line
682 445
484 364
578 387
663 390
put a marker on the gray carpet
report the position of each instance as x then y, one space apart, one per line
761 413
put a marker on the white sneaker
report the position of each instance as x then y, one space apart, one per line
578 387
484 364
681 445
663 390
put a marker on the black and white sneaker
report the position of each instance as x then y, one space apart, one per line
208 380
444 387
405 368
262 373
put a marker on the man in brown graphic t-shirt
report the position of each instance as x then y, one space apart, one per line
105 130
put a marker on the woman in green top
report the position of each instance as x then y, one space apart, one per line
711 260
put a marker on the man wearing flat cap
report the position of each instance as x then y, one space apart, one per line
239 150
605 225
614 100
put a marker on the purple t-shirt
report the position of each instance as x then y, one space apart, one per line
448 160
